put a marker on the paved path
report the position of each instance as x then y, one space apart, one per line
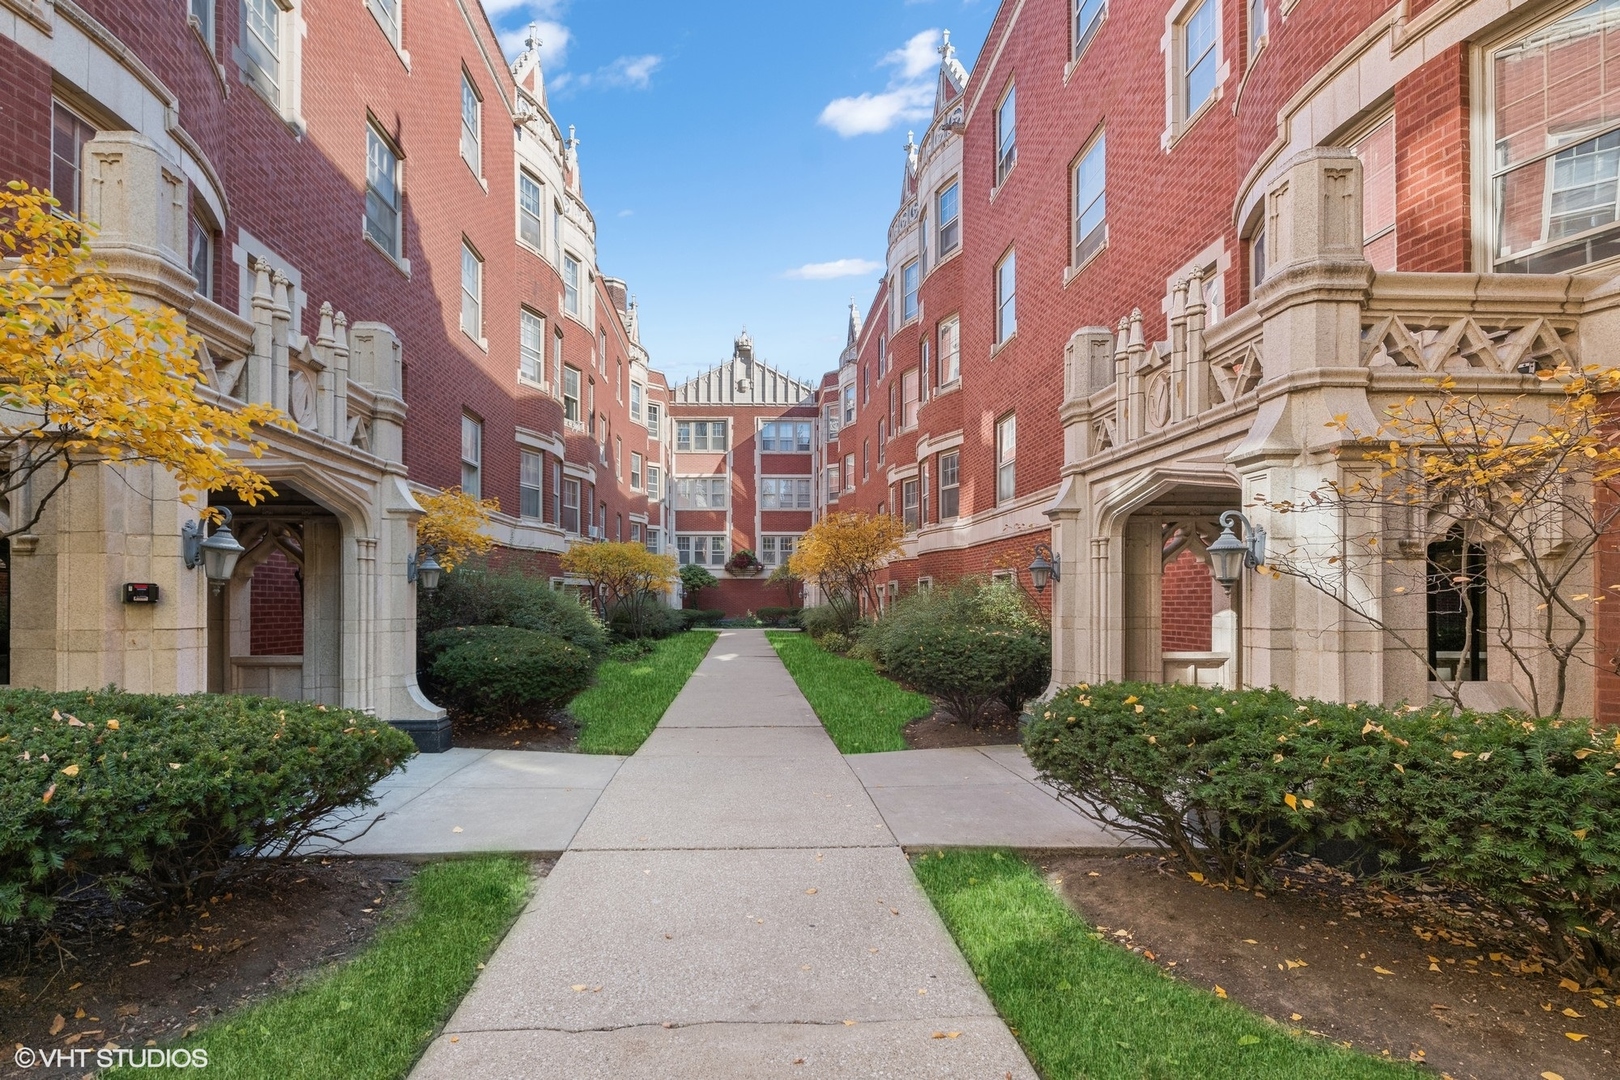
733 907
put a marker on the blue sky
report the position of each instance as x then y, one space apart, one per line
743 158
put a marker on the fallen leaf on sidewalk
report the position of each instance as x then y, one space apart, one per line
1382 970
849 1023
457 829
811 892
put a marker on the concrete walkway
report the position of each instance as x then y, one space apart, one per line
733 906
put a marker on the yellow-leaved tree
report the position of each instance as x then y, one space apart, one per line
453 527
90 375
842 554
629 576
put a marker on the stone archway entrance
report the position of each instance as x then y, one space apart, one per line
277 628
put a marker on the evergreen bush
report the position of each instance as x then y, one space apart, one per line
501 673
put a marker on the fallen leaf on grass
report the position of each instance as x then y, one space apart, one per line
1220 992
1248 1040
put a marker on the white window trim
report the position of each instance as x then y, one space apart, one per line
540 218
291 35
477 167
394 34
396 257
483 342
1177 121
1000 178
1074 57
1098 136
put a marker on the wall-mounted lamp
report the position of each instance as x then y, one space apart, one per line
426 572
1228 555
1047 566
217 554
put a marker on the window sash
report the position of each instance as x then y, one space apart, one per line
472 456
849 404
529 202
950 484
1257 25
635 402
471 292
387 9
1006 134
909 505
1006 456
69 133
261 42
909 277
532 346
531 468
908 400
202 256
382 192
654 420
950 350
950 219
1090 200
469 122
1006 297
571 394
571 284
636 461
1198 53
654 480
1088 15
849 472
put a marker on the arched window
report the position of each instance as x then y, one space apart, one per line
1457 609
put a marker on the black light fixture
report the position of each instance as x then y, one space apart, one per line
1047 566
1228 555
217 554
426 572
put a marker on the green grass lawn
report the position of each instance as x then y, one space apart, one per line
630 697
862 711
371 1017
1085 1008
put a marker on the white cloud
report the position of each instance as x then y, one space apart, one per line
554 40
908 97
838 268
627 213
627 72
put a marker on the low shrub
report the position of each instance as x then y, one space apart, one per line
472 597
835 642
1524 813
694 579
500 673
820 621
701 617
628 652
656 621
967 667
778 618
169 796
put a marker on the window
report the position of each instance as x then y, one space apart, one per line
556 234
784 494
655 476
922 369
635 402
653 540
470 119
785 437
1257 256
531 467
908 399
831 418
849 472
849 404
571 284
891 408
655 424
532 346
835 483
203 12
910 277
776 550
950 219
866 384
1198 36
570 506
529 203
950 350
556 490
69 133
618 527
201 260
923 489
883 355
387 12
700 492
636 463
635 532
261 37
883 440
1090 201
701 550
1007 297
700 435
472 456
950 484
1257 26
472 292
1376 149
909 505
1088 15
866 458
382 192
1007 133
571 395
618 458
1006 452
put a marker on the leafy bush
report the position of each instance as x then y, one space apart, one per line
1525 813
970 602
628 652
835 642
652 622
700 617
779 618
820 621
473 597
694 579
741 622
497 673
169 795
968 667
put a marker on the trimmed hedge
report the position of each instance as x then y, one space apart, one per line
656 621
1524 812
778 618
969 667
820 621
472 597
169 796
702 617
496 673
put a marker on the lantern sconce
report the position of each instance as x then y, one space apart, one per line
426 571
1046 566
217 554
1229 555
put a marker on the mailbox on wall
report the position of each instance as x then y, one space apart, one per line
140 592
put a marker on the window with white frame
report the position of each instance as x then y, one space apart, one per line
69 133
776 550
571 284
1376 149
1257 26
618 457
636 461
472 456
950 350
1091 200
471 121
571 411
835 482
263 44
700 550
950 484
531 467
883 440
203 12
1199 33
201 260
472 292
1007 133
784 493
570 506
849 472
387 13
700 492
785 437
655 420
910 279
866 456
925 584
556 234
830 417
654 539
700 435
1006 454
949 217
1007 297
909 381
655 477
636 393
530 200
909 504
635 532
1088 16
883 355
532 346
849 404
382 191
922 474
